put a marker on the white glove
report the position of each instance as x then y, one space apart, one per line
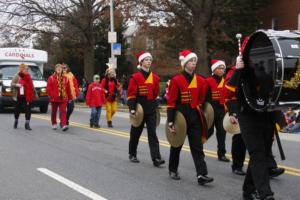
132 112
239 62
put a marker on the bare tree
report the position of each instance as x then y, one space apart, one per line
79 17
196 19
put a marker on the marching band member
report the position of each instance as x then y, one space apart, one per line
257 130
112 87
216 82
187 92
238 148
143 88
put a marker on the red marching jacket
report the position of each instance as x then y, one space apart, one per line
216 88
139 86
228 97
26 81
112 88
95 96
53 91
193 93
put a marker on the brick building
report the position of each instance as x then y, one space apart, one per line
281 15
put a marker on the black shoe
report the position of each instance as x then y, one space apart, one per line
97 126
276 172
16 124
157 162
27 127
251 196
174 175
133 159
109 124
203 179
223 159
239 172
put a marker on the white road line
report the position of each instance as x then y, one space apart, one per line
71 184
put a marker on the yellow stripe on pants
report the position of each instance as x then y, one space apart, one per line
111 108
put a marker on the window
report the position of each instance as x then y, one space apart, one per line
274 24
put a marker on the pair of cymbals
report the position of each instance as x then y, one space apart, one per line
177 139
137 119
230 127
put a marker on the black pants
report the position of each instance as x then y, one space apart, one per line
257 132
20 105
196 146
135 133
220 132
70 108
238 152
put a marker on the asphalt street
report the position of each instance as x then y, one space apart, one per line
85 163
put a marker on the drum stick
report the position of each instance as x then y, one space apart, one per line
238 37
279 145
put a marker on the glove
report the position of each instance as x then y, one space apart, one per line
171 127
239 62
233 119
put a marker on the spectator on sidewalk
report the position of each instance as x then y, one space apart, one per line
85 86
124 82
95 98
112 87
165 95
290 119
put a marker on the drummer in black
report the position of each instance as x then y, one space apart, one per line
257 130
187 92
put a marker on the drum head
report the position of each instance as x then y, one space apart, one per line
258 76
271 58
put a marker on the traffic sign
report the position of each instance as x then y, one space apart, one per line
112 37
117 49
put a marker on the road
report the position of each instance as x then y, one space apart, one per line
85 163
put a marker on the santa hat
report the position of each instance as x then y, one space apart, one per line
142 55
185 56
216 63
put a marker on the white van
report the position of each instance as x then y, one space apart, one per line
10 59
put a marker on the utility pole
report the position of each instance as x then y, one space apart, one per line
112 26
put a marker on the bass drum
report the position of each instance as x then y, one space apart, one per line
271 77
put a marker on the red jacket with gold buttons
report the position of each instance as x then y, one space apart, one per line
216 89
139 86
187 93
